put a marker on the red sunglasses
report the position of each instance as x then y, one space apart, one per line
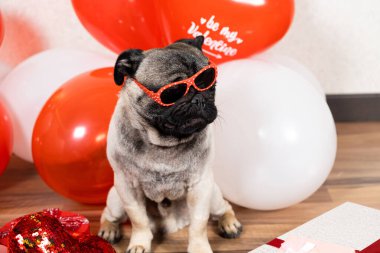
168 94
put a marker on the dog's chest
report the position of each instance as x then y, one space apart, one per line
159 185
166 172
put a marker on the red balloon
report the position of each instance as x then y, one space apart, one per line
233 28
6 138
121 24
69 137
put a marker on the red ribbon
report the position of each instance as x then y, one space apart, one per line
373 248
276 243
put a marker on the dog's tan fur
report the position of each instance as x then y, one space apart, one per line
150 168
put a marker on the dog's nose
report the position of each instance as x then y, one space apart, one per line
199 100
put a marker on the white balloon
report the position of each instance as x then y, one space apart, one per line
275 140
29 85
4 70
293 65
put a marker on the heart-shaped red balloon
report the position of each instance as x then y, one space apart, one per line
233 28
121 24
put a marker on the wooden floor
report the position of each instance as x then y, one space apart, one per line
355 177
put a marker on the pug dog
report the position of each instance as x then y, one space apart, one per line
160 146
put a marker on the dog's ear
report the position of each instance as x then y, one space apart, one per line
127 64
196 42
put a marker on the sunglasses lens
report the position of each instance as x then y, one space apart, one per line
172 94
205 79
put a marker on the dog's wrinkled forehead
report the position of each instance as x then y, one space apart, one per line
156 67
176 62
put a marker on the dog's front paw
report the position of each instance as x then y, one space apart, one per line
136 249
140 241
229 226
110 231
199 247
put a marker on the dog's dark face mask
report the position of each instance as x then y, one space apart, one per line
158 67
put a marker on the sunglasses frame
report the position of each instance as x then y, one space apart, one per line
190 82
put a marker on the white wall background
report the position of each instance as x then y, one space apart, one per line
338 40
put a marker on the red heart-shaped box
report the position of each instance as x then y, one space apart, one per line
51 231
